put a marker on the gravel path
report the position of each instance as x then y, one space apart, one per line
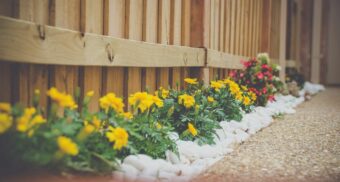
301 147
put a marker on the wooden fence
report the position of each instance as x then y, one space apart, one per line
71 43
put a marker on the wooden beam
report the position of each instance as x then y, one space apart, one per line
216 59
52 45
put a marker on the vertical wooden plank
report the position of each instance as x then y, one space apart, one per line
185 35
227 26
65 14
238 28
135 28
222 26
164 38
114 25
176 38
206 38
92 22
6 9
283 29
246 27
30 77
233 27
265 26
216 25
317 17
150 35
257 39
242 21
212 24
324 40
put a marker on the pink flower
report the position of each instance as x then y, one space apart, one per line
232 74
264 90
271 98
241 75
246 63
259 75
265 66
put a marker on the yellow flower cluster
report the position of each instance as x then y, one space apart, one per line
127 115
67 146
210 99
253 96
164 93
5 107
119 136
192 81
6 120
63 100
111 101
143 101
217 85
192 129
29 120
246 101
187 100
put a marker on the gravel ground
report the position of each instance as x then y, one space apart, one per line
301 147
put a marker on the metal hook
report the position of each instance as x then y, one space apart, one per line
41 30
110 52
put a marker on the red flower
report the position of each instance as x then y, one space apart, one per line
264 90
246 63
265 66
259 75
271 98
232 74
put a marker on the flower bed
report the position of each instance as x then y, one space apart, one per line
169 134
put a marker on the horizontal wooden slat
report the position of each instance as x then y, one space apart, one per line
218 59
20 41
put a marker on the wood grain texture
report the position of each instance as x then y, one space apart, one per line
66 47
6 9
135 29
164 9
31 77
150 35
65 14
218 59
176 39
91 77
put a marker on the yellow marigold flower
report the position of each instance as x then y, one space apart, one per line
187 100
246 101
192 81
192 129
119 136
5 122
158 125
239 96
217 85
5 107
253 96
96 122
227 81
67 146
244 88
210 99
89 128
157 101
143 101
127 115
234 88
25 122
111 101
90 93
63 100
164 92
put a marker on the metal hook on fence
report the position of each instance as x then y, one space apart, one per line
41 30
109 52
